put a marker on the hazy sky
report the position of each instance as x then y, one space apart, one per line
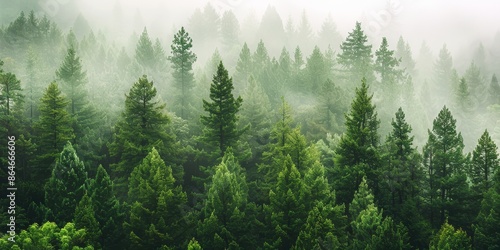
458 23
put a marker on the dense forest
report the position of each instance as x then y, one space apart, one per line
278 138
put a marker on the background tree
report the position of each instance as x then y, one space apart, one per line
386 64
84 218
145 53
356 56
182 59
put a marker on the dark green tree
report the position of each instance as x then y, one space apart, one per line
357 153
356 56
485 163
53 129
107 209
486 234
66 186
143 125
445 165
84 218
221 122
182 59
386 64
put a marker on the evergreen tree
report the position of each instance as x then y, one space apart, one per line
304 32
156 205
403 52
230 30
143 125
477 84
463 98
443 73
243 66
494 91
221 129
194 245
485 163
53 129
145 53
66 186
84 218
316 72
369 229
357 152
107 209
445 165
328 36
448 238
387 66
287 193
32 89
356 56
224 207
486 234
182 59
74 79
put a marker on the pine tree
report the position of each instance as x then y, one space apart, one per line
182 59
74 79
304 32
225 203
53 129
403 52
486 234
357 152
316 72
143 125
445 165
287 193
356 56
328 36
463 98
66 186
84 218
448 238
386 65
145 53
485 163
107 209
243 66
156 205
494 91
230 30
477 84
221 122
443 73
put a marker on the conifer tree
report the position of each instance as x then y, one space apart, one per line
476 83
66 186
182 59
107 209
443 73
230 30
494 91
357 153
243 66
486 234
387 66
144 52
287 193
449 238
53 129
444 162
485 163
143 125
221 122
356 56
156 205
463 98
84 218
316 72
328 34
403 52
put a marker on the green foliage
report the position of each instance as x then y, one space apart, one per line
155 203
221 123
53 129
144 51
316 72
448 238
244 67
84 218
182 59
357 151
386 65
356 56
107 210
49 236
485 163
486 234
143 125
66 186
194 245
445 165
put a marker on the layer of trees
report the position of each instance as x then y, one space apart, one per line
136 148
